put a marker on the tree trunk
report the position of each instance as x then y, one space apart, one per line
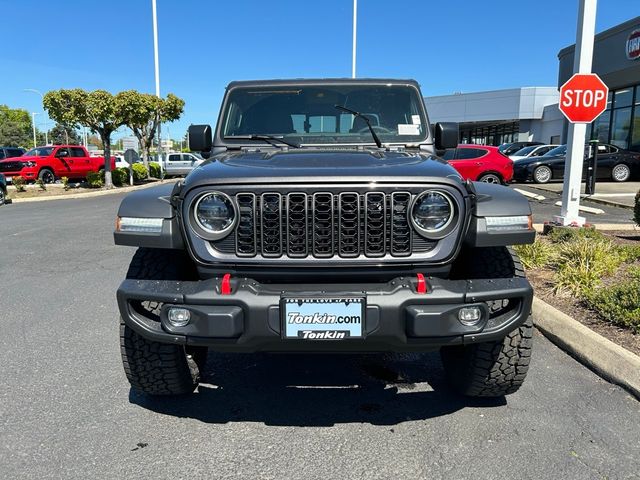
106 141
144 152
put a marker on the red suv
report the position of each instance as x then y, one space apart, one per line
480 163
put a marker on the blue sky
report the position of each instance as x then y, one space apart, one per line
447 46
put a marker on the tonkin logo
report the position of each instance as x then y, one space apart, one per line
633 45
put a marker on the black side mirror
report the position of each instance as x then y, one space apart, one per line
447 135
199 138
62 154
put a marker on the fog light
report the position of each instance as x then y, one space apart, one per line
469 316
179 317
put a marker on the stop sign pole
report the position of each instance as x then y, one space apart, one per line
569 213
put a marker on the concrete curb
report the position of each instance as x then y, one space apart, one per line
604 227
609 360
89 194
590 198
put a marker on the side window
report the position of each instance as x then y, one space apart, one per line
469 153
187 158
76 152
14 152
174 157
449 154
60 152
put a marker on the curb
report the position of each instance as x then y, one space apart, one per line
583 196
610 361
98 193
603 227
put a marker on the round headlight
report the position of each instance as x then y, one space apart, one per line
214 213
432 213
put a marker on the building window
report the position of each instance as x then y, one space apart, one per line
621 127
600 127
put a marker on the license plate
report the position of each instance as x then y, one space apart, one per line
323 318
8 179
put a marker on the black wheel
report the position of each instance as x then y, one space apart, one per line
620 173
46 176
3 196
490 369
490 178
151 367
542 174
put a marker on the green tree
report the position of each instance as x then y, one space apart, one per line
63 135
99 110
16 129
143 112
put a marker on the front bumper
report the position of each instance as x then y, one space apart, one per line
397 317
522 173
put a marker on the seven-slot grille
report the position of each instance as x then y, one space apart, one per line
325 225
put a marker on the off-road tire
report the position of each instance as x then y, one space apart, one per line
151 367
46 175
498 368
3 196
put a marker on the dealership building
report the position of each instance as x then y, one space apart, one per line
532 114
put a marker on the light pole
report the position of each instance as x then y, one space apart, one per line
33 124
157 72
46 131
355 28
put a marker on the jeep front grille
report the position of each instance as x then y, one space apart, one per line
324 225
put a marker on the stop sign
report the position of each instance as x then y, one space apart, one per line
583 98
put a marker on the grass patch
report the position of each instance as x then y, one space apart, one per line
534 255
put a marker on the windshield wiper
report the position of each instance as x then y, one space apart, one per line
366 120
270 139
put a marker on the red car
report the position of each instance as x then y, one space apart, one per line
51 162
480 163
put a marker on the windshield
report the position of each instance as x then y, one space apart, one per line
561 150
39 152
308 114
525 151
504 146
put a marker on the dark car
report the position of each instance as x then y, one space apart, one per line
11 152
613 164
3 190
324 221
511 148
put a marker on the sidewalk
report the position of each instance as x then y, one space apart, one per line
607 193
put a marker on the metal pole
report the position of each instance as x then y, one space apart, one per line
33 123
355 28
157 71
577 131
46 130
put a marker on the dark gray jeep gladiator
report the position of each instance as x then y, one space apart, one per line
325 221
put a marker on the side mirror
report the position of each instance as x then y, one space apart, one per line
199 138
447 135
62 154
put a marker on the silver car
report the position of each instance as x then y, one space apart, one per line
180 163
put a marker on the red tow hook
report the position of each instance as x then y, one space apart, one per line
421 286
225 285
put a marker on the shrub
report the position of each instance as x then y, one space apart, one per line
18 182
41 184
618 304
95 179
140 172
154 170
630 253
120 176
534 255
569 234
65 183
576 279
636 209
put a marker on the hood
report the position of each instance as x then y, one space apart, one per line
316 165
23 158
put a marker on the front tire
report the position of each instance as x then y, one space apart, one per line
542 174
46 175
497 368
151 367
3 197
620 173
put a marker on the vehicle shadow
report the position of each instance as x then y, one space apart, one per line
317 390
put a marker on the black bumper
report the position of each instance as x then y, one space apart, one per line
397 317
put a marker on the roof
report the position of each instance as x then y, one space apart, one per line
321 81
602 35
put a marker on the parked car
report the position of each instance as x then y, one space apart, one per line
52 162
480 163
613 164
532 151
348 237
3 189
11 152
176 163
511 148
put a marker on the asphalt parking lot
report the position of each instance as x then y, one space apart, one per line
66 410
622 193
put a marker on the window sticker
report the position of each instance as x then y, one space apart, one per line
415 119
408 129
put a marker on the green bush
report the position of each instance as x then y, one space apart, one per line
120 176
140 172
569 234
65 183
154 170
630 253
18 182
636 209
95 179
534 255
41 184
618 304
